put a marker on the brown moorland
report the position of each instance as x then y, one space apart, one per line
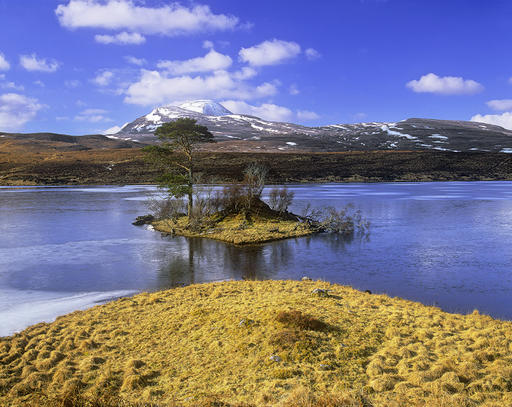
56 164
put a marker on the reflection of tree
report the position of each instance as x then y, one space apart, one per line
181 268
246 263
337 242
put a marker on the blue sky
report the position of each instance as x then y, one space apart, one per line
84 66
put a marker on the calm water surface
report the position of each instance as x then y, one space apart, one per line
67 248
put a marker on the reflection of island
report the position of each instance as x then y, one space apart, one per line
200 260
194 260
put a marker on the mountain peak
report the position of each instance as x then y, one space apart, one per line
207 107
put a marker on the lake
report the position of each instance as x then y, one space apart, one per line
66 248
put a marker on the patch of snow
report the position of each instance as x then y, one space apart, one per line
446 149
154 117
263 129
506 150
438 136
291 143
397 133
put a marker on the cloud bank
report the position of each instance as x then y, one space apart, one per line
16 110
33 63
504 120
446 85
169 20
272 52
212 61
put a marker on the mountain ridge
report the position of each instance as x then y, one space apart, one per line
253 133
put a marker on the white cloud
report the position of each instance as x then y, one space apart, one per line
307 115
112 130
93 116
123 38
294 90
265 89
171 20
135 61
32 63
500 104
39 83
72 84
212 61
504 120
16 110
270 52
9 85
267 111
155 87
207 44
245 73
103 78
510 80
4 64
446 85
312 54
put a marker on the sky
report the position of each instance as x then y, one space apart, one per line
89 66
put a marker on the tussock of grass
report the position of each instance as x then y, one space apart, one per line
296 319
189 347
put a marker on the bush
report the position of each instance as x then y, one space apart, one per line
280 199
253 184
166 207
343 221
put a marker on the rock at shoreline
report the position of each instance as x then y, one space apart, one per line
143 220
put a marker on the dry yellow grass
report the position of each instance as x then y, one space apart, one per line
234 229
215 341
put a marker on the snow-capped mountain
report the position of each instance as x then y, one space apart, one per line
207 107
249 133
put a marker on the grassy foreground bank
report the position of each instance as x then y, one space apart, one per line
262 344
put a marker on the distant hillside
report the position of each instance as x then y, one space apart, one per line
249 133
50 141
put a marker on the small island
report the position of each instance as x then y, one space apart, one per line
261 224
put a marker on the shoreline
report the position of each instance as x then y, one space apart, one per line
184 345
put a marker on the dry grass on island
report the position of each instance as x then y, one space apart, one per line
260 224
267 343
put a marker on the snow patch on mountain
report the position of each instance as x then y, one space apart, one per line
207 107
397 133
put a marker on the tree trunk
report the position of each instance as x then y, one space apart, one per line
190 192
